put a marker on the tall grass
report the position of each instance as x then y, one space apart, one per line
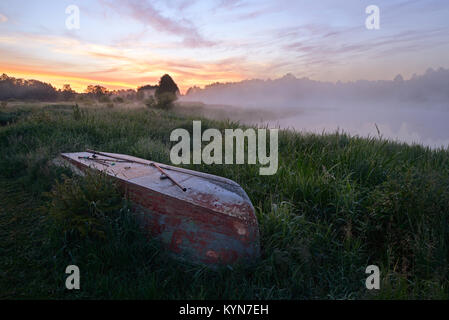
336 205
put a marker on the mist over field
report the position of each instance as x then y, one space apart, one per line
414 110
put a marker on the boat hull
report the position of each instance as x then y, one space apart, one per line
212 222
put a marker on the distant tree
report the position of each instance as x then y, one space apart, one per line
123 94
147 88
166 92
67 93
398 78
193 90
166 84
96 91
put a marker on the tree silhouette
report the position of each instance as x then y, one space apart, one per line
166 84
167 92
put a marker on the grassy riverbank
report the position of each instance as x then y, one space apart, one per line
336 205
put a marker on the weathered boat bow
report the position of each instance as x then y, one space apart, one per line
212 221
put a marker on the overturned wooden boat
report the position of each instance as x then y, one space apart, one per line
200 217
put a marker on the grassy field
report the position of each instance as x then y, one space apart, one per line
336 205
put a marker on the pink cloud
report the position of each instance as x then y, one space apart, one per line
3 18
145 13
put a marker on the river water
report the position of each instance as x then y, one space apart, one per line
425 126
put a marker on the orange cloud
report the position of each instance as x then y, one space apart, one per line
61 60
79 81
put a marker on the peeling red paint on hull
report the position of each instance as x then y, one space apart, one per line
212 222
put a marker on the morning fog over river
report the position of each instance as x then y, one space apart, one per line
406 124
411 111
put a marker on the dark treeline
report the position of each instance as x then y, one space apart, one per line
20 89
12 88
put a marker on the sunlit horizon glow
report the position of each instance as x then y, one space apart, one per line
125 44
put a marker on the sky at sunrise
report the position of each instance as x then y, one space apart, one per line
129 43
